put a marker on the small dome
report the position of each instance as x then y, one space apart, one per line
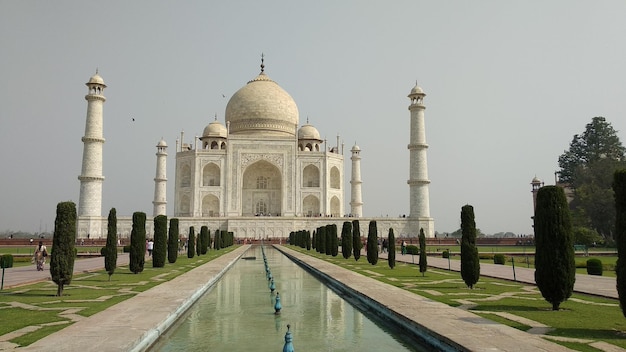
535 180
308 132
417 90
262 107
96 79
162 143
215 129
356 148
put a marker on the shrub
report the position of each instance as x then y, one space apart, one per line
423 259
191 243
6 261
412 249
172 241
391 257
372 243
499 259
126 248
346 239
357 245
470 264
594 266
63 251
445 253
103 251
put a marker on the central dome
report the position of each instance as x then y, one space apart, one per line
262 107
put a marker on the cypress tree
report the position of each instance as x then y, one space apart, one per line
372 243
423 261
172 241
138 243
329 240
346 239
217 241
314 241
470 264
357 245
204 239
334 238
191 243
63 239
160 241
619 189
391 257
321 233
110 253
308 240
198 245
555 267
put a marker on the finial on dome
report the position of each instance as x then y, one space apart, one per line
307 120
262 65
215 116
96 70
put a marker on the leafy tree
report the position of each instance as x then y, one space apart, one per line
372 243
391 257
586 236
587 168
619 186
191 243
470 264
137 255
172 241
357 245
555 268
423 259
110 253
63 239
160 241
346 239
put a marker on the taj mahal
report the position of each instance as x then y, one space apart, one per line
259 175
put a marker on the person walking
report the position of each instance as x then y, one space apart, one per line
150 247
39 257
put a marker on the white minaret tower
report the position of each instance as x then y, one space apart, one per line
90 199
418 173
160 180
356 200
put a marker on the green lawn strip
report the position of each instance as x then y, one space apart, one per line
582 316
89 293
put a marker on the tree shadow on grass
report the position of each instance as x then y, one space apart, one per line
510 308
594 334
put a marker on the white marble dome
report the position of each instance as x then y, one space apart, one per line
308 132
215 129
96 79
262 107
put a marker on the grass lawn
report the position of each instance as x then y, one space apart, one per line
582 316
36 305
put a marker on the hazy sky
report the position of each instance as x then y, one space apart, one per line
508 84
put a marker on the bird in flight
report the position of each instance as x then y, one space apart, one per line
133 119
223 96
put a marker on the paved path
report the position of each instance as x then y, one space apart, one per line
595 285
23 275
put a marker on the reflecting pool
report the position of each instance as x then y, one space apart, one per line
237 314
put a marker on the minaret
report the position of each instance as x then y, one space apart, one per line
536 183
418 172
160 180
90 199
356 201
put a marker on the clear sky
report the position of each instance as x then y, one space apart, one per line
508 84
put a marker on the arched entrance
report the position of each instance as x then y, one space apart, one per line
262 190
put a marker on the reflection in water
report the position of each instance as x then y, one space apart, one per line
238 314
